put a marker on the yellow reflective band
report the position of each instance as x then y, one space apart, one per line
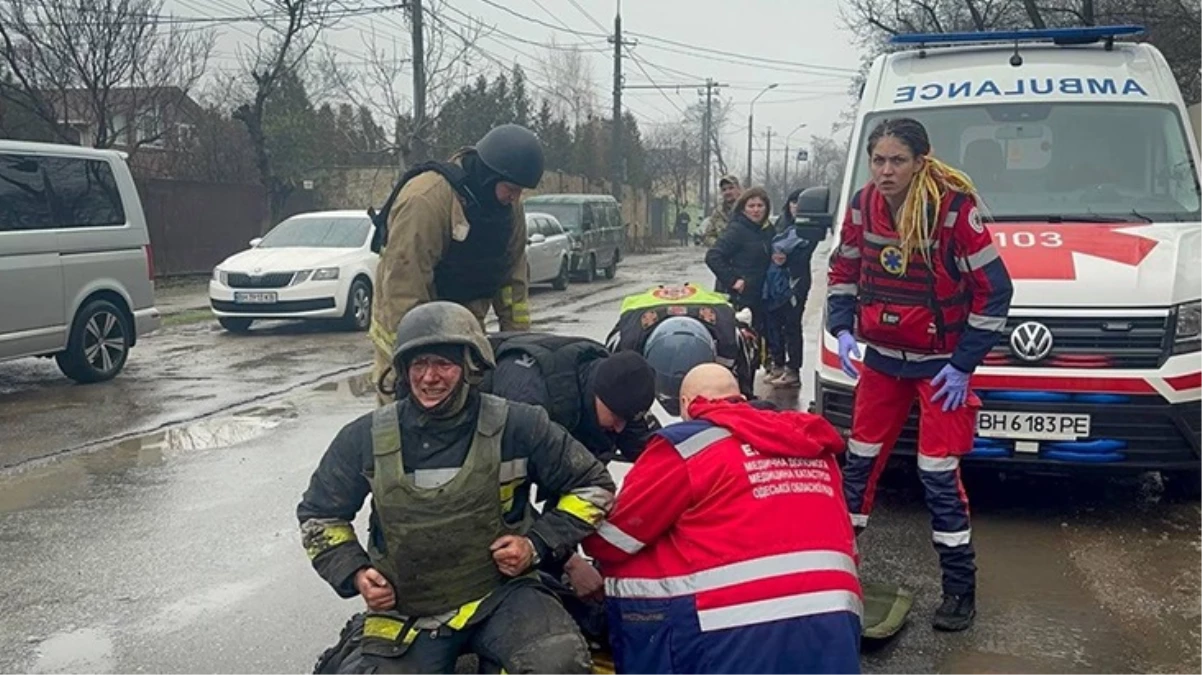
331 536
383 338
582 509
648 299
506 295
464 614
507 490
387 628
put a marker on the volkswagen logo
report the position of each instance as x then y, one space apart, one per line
1031 341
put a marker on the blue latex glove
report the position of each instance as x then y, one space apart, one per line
955 387
847 347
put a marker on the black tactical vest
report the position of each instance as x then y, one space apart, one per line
471 269
559 358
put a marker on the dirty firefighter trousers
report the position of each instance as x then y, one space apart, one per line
882 404
529 632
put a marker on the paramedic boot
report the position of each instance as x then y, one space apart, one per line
956 613
789 379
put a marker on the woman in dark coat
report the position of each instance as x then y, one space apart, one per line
740 257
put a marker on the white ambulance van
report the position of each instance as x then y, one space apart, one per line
1082 150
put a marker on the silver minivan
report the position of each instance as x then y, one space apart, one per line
76 273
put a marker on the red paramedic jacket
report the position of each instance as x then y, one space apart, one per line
915 317
739 511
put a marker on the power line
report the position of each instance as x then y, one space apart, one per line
168 19
587 15
643 70
747 57
544 24
571 47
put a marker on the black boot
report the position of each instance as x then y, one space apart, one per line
956 613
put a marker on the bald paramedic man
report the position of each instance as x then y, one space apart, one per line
729 549
456 231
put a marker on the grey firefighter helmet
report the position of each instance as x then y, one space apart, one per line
676 346
514 152
442 323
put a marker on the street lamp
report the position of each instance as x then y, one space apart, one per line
751 126
787 155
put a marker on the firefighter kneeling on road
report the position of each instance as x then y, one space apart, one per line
729 549
454 538
917 278
456 231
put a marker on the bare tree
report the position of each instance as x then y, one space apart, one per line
378 84
101 72
288 30
569 75
1173 26
674 160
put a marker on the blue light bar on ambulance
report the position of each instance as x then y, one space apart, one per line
1062 36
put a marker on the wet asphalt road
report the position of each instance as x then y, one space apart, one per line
177 551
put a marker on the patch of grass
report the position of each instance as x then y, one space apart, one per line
187 317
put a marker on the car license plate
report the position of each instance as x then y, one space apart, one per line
1032 426
255 298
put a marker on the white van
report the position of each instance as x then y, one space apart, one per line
76 273
1081 148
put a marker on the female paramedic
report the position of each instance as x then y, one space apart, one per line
916 278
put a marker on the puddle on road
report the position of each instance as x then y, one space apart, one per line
68 475
87 650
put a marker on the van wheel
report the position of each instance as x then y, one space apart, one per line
590 269
560 282
235 324
612 268
98 344
358 306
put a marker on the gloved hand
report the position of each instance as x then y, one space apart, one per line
847 347
955 387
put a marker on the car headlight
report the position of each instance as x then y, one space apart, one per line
301 277
220 276
325 274
1187 329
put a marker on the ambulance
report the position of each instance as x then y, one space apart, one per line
1082 149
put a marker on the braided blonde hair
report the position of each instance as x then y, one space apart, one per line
927 187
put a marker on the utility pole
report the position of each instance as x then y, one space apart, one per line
615 151
768 162
710 85
420 151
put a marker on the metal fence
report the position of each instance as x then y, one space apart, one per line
195 225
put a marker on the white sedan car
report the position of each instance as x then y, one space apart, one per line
310 266
548 250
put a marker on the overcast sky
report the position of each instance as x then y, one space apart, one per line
807 34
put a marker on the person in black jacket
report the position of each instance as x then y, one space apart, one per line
784 334
740 257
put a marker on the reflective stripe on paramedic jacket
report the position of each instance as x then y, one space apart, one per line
707 521
968 272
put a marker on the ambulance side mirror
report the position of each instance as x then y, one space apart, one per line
814 207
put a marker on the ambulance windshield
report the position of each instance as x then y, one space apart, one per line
1044 161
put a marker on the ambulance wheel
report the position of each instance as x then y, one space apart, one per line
1182 486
